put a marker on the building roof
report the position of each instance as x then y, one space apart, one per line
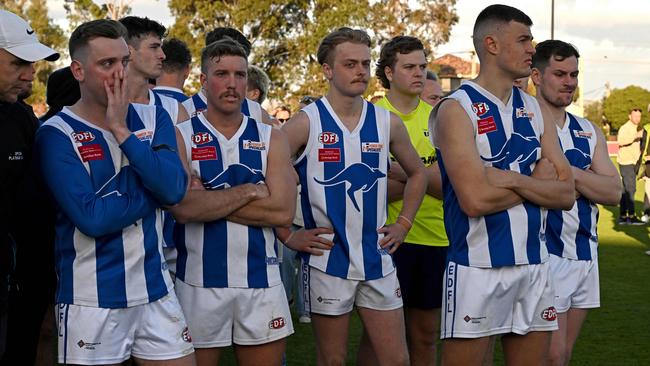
453 67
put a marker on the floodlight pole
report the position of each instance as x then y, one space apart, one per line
552 19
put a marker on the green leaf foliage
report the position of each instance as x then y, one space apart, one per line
285 34
617 106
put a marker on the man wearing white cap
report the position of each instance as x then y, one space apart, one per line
19 49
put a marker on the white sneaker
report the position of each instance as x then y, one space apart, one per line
305 319
645 218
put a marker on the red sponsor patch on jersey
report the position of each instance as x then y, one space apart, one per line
486 125
91 152
204 153
549 314
277 323
328 138
480 108
201 138
329 155
83 136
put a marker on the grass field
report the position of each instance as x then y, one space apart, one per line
616 334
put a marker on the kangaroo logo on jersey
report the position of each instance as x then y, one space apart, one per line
201 138
83 136
359 176
577 158
518 149
328 138
480 108
234 175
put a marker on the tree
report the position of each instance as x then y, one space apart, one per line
80 11
36 14
285 33
617 106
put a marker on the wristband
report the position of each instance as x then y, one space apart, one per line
404 222
288 238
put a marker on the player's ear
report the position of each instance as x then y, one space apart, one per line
327 71
491 44
536 76
77 70
388 72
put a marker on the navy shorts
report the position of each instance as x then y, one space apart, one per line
420 270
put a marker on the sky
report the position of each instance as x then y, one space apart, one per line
612 36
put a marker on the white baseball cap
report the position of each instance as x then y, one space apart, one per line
19 39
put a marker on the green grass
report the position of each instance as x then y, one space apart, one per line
616 334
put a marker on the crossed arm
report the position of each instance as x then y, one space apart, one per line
600 183
482 191
270 204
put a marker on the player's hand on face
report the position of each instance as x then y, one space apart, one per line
117 104
310 241
545 170
394 235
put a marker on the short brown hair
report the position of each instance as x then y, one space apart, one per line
388 55
100 28
341 35
218 49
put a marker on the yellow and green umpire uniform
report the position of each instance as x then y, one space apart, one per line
421 260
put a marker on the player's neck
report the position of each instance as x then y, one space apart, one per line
497 83
90 110
226 123
404 103
557 113
138 89
347 108
170 81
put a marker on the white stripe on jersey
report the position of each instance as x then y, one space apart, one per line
354 219
168 103
583 214
238 238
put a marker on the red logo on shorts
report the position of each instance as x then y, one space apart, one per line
398 292
549 314
277 323
186 335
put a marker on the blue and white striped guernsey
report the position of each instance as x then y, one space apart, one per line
573 234
167 103
343 187
109 222
171 92
198 103
507 137
222 253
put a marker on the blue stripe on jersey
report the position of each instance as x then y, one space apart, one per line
521 125
244 108
181 250
497 224
157 100
257 276
109 249
453 218
305 203
180 97
372 267
152 259
583 236
338 262
199 104
214 274
65 255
